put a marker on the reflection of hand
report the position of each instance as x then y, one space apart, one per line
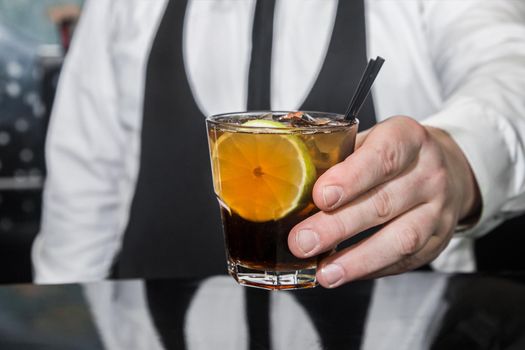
415 179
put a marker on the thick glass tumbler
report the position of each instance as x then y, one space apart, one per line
264 167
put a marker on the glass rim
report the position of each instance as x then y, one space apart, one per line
213 119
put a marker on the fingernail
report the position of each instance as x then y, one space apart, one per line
307 241
332 195
332 274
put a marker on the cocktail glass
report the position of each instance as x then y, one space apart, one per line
264 167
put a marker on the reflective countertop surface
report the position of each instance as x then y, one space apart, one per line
419 310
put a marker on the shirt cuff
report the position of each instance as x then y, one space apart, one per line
457 257
477 131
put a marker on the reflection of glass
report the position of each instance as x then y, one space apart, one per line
264 168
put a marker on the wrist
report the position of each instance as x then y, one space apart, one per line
465 183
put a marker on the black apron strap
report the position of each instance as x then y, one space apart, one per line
174 227
343 65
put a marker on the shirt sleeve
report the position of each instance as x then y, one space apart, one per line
478 51
79 234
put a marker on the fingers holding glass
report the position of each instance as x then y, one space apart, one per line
384 154
324 230
407 242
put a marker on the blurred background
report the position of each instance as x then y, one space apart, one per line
34 38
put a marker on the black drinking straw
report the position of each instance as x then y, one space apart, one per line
363 88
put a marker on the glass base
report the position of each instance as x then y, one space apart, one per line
273 280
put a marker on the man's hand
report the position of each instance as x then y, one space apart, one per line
413 178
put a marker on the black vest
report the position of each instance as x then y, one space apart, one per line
174 227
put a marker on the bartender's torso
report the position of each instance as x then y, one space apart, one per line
208 72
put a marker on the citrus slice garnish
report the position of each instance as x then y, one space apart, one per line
262 176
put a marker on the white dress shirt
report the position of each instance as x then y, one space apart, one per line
457 65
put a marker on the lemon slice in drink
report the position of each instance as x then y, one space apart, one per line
262 176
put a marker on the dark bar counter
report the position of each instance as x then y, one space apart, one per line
419 310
